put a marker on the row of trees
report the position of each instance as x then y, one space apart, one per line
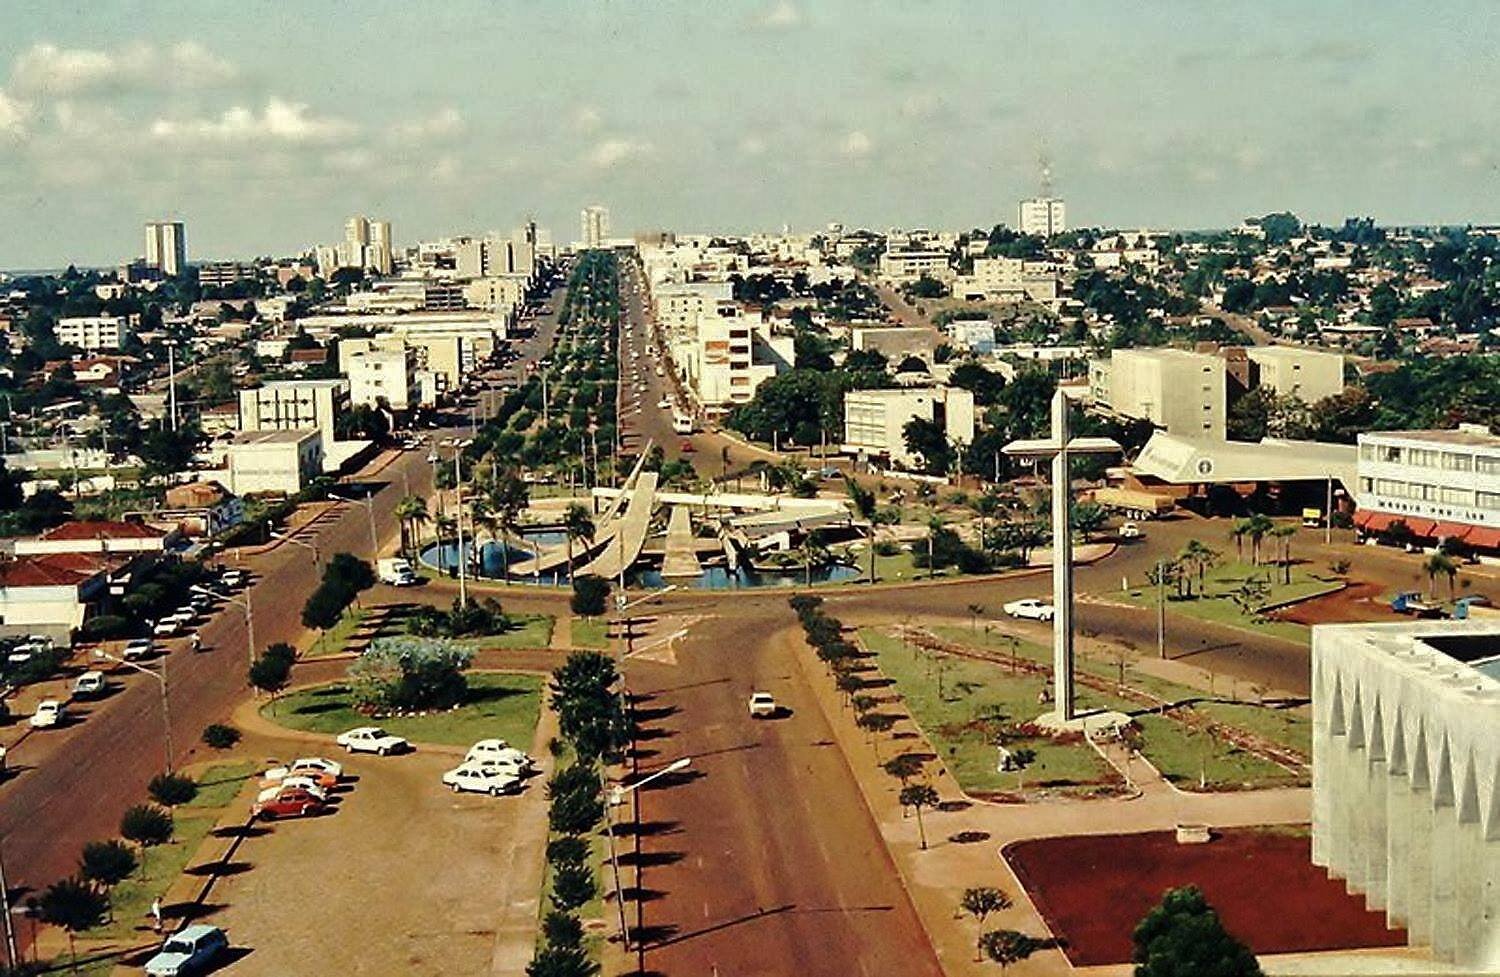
345 576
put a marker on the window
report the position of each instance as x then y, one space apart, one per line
1455 496
1489 500
1458 463
1487 465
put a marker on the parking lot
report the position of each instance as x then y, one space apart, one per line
402 876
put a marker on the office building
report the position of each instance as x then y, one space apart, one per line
594 226
1440 484
280 462
296 405
875 420
1178 391
383 378
166 247
907 265
1310 375
1043 216
221 274
732 354
1406 778
95 333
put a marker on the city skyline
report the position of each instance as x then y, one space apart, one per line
258 135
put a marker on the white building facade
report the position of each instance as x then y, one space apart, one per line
1310 375
1043 216
875 420
95 333
166 246
1181 392
1441 484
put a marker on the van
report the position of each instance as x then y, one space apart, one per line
396 571
681 423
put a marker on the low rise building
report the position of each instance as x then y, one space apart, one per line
1310 375
93 333
1008 280
296 405
54 593
894 342
875 420
197 510
281 462
1440 484
907 265
103 537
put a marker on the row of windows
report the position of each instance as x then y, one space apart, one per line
1431 458
1393 489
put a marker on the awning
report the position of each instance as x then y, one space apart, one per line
1451 530
1484 537
1422 527
1374 522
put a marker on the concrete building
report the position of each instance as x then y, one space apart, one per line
384 379
875 420
895 342
1310 375
166 247
197 510
296 405
975 335
281 462
1008 280
502 294
1043 216
908 265
93 333
54 593
594 226
366 244
100 536
1406 778
733 354
480 333
220 274
437 361
1441 484
1181 392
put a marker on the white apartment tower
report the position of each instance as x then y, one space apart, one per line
367 244
166 246
1043 216
594 226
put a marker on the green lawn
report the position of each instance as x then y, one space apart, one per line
1216 605
1184 755
332 641
131 899
499 704
975 702
590 633
220 784
529 631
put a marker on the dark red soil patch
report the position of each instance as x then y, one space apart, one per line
1093 890
1356 602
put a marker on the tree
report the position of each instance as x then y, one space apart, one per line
1006 947
170 789
928 440
562 929
1088 518
916 797
579 527
1439 564
1196 558
218 736
106 863
74 905
147 825
412 513
1283 537
1256 527
561 961
981 902
403 672
270 675
349 571
325 605
1183 937
572 886
976 611
1250 596
590 595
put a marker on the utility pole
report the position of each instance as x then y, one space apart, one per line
458 488
1328 514
172 381
1161 609
11 951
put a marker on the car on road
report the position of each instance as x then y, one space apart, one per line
686 447
1031 609
191 950
137 648
167 627
88 685
762 705
501 752
480 779
286 802
49 712
1130 531
372 739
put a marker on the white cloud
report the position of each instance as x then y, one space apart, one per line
446 122
13 116
856 145
612 152
72 71
281 121
752 145
586 118
781 16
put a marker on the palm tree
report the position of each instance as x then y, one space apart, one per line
412 513
1256 527
918 796
933 525
1240 529
1283 536
1440 563
578 525
812 551
987 505
1196 558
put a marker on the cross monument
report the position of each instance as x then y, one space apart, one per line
1059 448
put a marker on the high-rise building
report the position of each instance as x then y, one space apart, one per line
594 226
367 245
166 247
1043 216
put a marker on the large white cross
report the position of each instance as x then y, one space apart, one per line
1059 447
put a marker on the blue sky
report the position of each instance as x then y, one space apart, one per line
264 124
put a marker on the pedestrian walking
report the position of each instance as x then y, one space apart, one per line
156 914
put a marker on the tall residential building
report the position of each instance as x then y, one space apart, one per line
1043 216
93 333
594 226
367 244
1183 392
166 246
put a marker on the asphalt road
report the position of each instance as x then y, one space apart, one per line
761 858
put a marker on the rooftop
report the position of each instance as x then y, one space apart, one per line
1179 460
1463 437
255 438
101 529
51 570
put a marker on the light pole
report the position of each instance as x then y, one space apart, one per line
293 540
11 951
616 797
368 500
458 502
161 680
244 605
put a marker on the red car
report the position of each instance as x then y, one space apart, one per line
287 802
687 447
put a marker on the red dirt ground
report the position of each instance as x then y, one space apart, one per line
1093 890
1356 602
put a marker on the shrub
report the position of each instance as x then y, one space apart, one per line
590 595
106 863
281 651
887 547
562 930
171 789
146 825
408 673
218 736
106 627
572 886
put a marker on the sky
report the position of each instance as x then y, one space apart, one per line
263 125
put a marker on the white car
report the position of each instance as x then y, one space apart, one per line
1130 531
1030 608
269 788
372 739
167 627
762 705
500 755
49 712
481 780
325 766
665 403
88 684
137 648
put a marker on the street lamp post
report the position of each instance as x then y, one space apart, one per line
368 500
617 797
161 680
458 502
12 953
293 540
242 604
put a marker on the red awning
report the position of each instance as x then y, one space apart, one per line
1452 530
1374 522
1483 537
1422 527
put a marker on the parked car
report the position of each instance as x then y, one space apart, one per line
372 739
287 802
137 648
49 712
1130 531
1031 608
89 685
192 950
323 765
479 779
289 776
762 705
167 627
232 578
501 752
